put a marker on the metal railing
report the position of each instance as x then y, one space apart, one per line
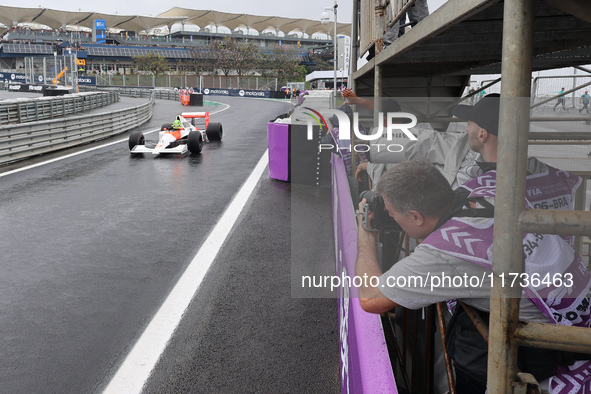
512 220
33 110
160 94
29 139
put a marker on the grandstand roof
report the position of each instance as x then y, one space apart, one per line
55 19
204 18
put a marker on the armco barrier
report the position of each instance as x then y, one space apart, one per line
136 92
160 94
30 139
42 108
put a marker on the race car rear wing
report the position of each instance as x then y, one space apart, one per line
195 115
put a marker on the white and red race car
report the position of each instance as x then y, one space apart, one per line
188 138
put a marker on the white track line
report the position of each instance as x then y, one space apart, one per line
139 363
86 150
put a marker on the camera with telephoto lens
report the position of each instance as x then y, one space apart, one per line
381 221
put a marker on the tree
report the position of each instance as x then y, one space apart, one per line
223 55
242 57
264 65
202 60
231 55
151 63
246 56
284 65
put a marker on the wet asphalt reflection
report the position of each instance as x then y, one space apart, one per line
92 244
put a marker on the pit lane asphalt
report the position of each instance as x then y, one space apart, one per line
92 244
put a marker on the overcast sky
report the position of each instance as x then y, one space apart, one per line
309 9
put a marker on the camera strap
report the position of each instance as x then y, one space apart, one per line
460 207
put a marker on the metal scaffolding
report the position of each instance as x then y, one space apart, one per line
519 56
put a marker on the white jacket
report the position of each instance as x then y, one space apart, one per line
449 152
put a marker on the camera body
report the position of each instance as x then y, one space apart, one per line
381 221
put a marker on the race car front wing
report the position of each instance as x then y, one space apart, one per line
181 148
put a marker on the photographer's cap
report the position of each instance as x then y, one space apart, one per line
485 113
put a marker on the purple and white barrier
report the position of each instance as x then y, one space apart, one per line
278 139
365 363
296 158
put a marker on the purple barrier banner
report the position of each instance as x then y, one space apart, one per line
236 92
365 363
278 139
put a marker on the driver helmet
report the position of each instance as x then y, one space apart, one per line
176 123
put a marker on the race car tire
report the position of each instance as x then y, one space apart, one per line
195 142
214 131
136 138
166 126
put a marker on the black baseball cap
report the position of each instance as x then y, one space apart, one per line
485 113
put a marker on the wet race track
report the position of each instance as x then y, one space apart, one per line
93 243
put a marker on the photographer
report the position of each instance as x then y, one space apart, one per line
422 196
457 240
